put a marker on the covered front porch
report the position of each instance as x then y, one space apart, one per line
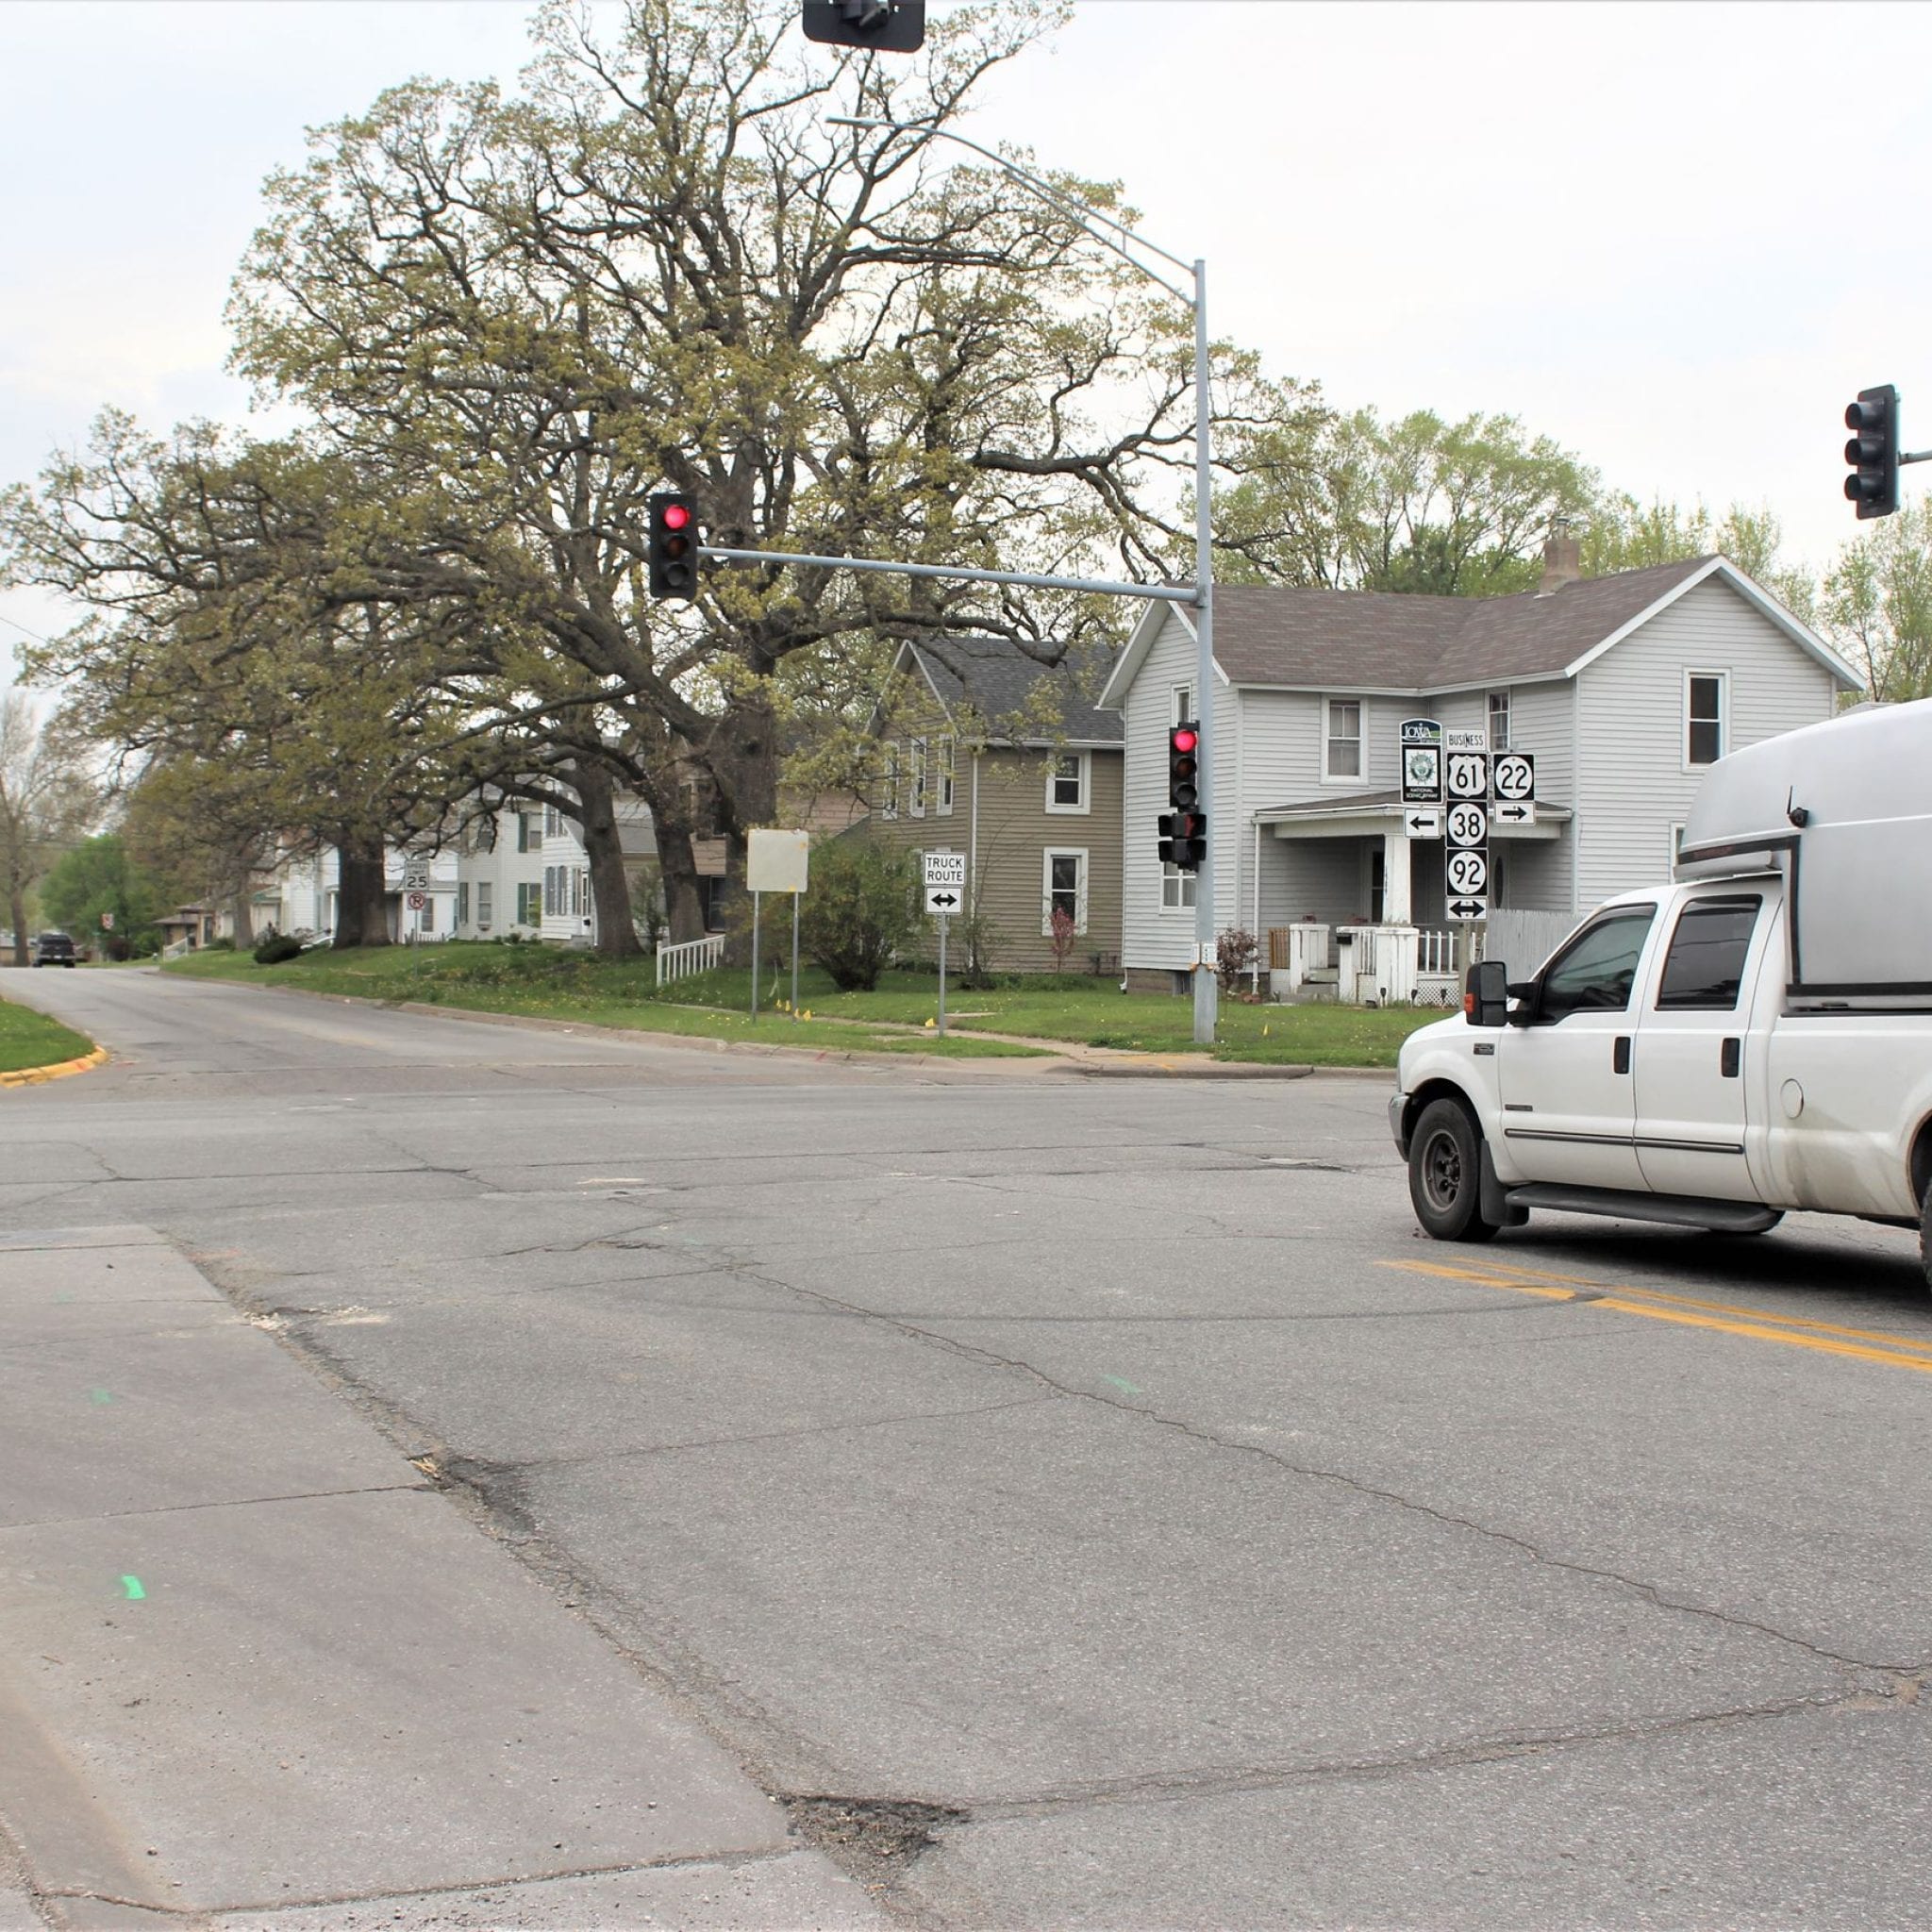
1350 904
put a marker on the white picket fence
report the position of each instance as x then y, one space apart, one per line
692 956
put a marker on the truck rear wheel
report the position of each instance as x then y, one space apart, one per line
1445 1174
1925 1233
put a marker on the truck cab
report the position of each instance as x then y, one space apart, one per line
1753 1036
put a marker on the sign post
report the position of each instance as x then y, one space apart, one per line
775 861
945 893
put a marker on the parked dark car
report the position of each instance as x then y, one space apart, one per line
52 949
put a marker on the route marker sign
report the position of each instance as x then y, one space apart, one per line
946 868
1466 774
1422 761
1469 909
943 900
1421 823
1515 776
1467 822
1508 812
1468 872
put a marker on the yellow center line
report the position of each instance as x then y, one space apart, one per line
1758 1324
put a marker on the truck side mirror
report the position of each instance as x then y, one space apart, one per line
1485 995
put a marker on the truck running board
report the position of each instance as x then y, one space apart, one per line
1676 1210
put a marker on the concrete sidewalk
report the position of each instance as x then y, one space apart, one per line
254 1671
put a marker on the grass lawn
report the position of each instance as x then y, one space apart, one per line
552 983
31 1040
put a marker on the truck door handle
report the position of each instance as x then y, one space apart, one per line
1728 1058
1620 1054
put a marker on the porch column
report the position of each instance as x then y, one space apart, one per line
1396 902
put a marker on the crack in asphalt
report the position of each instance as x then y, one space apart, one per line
1214 1781
217 1503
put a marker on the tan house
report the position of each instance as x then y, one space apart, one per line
985 751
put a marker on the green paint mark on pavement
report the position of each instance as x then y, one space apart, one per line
1115 1382
98 1396
132 1586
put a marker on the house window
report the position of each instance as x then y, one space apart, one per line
1342 744
553 822
425 919
579 893
463 902
485 893
1183 712
529 903
889 783
525 830
917 779
1067 781
943 776
1063 889
1704 716
1499 721
1176 887
549 891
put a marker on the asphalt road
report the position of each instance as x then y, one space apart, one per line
1097 1477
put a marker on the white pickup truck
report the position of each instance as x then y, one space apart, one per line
1753 1036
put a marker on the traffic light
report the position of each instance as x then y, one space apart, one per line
673 547
881 26
1184 830
1872 451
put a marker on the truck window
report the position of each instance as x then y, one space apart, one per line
1706 964
1597 970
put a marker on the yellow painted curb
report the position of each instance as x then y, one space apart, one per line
33 1076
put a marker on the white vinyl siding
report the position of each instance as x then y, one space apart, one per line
1635 780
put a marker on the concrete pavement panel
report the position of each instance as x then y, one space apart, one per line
326 1698
797 1891
128 1384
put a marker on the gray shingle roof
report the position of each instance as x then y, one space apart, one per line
996 678
1379 640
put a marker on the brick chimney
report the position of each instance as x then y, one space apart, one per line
1562 559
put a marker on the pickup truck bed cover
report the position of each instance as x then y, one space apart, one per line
1845 809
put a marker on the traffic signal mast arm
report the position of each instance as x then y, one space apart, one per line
1171 593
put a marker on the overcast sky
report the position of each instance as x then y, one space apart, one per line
1676 238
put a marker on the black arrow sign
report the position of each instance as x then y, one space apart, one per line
1506 813
1419 823
943 900
1467 908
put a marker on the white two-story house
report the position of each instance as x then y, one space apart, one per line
1624 689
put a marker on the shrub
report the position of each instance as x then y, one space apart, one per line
859 911
1063 935
277 947
1234 952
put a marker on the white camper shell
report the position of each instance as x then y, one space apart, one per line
1844 810
1751 1037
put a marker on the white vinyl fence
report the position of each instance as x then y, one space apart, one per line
692 956
1523 941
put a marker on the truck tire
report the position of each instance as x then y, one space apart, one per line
1444 1173
1925 1234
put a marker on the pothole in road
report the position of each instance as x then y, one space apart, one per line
881 1836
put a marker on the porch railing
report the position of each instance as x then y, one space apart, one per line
693 956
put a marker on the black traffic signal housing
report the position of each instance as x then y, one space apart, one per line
672 553
1184 830
1872 451
881 27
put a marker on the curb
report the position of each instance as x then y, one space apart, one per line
59 1070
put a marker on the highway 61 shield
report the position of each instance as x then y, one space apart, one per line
1468 875
1515 775
1468 774
1467 822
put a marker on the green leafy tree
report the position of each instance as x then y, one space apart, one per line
661 266
1419 505
47 798
97 877
859 911
1876 604
1625 534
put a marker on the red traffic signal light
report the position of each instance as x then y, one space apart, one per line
1872 451
671 553
1183 767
